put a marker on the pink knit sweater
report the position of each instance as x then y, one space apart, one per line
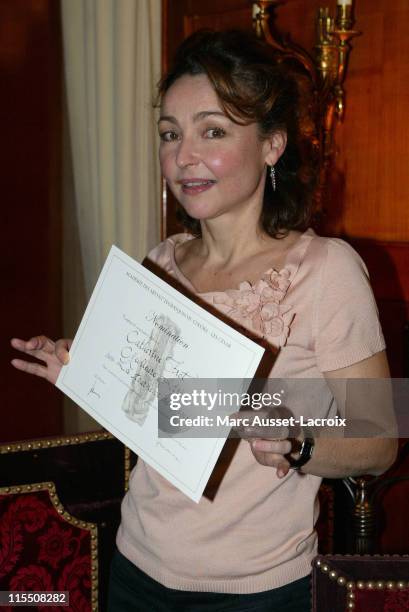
257 533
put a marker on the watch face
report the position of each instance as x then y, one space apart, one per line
308 446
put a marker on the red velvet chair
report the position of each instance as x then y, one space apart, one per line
367 582
59 512
43 548
363 583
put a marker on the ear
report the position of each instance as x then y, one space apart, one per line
275 147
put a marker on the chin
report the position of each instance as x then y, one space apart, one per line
199 214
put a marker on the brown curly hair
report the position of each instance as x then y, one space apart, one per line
252 86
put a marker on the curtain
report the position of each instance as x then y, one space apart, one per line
112 56
112 63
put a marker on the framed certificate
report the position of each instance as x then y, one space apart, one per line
136 330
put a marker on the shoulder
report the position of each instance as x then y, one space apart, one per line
164 251
343 254
343 277
346 324
339 261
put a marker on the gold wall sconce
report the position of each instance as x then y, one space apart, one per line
326 69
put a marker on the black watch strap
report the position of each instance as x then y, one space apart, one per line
306 450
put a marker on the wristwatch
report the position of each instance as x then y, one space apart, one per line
305 451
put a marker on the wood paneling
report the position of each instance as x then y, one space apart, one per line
370 186
30 162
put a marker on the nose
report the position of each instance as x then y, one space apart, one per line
187 153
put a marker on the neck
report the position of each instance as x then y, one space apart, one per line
227 242
236 234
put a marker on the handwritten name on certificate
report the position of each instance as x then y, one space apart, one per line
137 329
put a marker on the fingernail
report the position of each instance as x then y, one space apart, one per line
66 358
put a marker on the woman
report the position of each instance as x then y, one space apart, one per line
231 152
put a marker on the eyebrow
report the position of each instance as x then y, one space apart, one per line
196 117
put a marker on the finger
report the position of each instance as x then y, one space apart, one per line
37 343
268 459
46 356
283 469
275 461
267 433
259 424
247 425
61 350
20 345
40 343
17 343
281 447
30 368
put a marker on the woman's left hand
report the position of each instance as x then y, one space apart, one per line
269 445
272 453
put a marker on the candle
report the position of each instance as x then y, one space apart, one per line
256 10
344 2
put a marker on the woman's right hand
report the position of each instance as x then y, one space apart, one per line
53 354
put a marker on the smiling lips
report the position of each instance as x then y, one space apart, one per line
196 185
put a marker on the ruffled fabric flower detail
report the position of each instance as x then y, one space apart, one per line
244 302
260 303
278 283
276 321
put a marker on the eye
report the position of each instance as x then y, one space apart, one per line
168 136
215 132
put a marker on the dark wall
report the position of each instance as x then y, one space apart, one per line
30 226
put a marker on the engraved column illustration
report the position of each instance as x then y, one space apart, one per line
158 348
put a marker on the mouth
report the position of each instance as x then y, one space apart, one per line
193 186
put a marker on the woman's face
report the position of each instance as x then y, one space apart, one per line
212 165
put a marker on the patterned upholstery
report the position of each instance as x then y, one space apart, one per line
368 600
59 511
44 549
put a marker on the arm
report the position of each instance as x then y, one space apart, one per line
337 457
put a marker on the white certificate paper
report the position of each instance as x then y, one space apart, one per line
135 330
